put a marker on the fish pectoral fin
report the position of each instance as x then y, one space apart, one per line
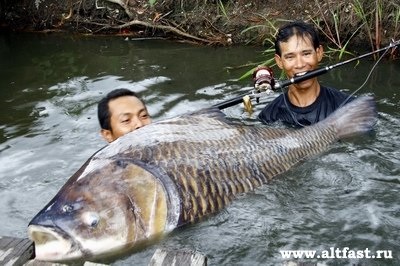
147 199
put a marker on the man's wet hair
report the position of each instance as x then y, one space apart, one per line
103 111
298 28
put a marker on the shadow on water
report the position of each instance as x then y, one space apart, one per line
50 85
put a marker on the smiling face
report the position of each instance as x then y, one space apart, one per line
127 113
299 56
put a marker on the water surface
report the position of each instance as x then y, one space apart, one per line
49 88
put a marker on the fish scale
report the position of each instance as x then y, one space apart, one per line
271 155
228 182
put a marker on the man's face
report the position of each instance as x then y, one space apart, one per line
298 57
127 113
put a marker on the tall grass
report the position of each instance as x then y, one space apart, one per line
362 19
362 13
222 8
378 22
332 25
267 31
395 16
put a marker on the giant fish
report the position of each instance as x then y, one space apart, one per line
174 172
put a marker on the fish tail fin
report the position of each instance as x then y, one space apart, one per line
358 116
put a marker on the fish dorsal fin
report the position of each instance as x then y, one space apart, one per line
212 112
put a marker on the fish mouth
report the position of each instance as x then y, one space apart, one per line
52 245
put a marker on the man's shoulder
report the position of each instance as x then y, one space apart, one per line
334 95
333 98
331 91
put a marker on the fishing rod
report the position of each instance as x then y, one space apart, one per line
314 73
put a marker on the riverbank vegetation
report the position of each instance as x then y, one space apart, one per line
347 26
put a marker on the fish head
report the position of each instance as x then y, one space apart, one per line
101 212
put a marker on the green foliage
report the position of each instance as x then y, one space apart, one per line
222 8
362 14
152 2
394 15
374 16
267 31
332 24
270 62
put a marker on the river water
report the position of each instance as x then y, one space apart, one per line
49 88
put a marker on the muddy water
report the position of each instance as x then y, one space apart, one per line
49 87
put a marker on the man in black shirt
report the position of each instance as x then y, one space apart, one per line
298 51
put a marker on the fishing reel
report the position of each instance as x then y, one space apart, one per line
263 79
263 82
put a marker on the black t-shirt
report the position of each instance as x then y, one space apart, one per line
328 100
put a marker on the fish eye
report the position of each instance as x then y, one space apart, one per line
67 208
91 219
